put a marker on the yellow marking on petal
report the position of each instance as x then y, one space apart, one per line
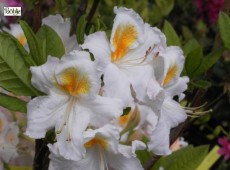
170 74
123 120
96 141
73 82
22 39
124 37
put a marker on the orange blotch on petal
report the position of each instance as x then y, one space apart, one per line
96 141
123 120
172 72
73 82
22 39
124 37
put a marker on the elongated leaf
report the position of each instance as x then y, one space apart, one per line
210 159
201 84
208 61
166 6
81 26
188 158
224 25
193 61
34 45
14 71
12 103
52 43
190 46
171 35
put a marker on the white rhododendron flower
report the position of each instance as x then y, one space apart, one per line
168 67
62 27
103 152
84 100
126 59
8 139
72 102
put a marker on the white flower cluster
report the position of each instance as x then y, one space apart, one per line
103 110
8 140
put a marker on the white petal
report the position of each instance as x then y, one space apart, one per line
73 149
159 139
148 120
129 151
173 65
139 77
42 114
8 152
120 162
98 44
154 90
57 162
172 113
42 76
127 17
79 68
103 110
180 85
109 133
76 55
117 84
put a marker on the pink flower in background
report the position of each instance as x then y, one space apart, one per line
225 149
209 9
14 3
9 3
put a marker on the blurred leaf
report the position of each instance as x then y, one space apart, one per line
34 44
165 6
81 26
12 103
155 15
53 43
210 159
15 76
171 35
190 46
208 61
187 34
126 111
188 158
193 61
143 155
201 84
217 130
224 25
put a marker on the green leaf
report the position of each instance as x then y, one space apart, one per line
210 159
12 103
52 43
126 111
224 25
166 6
193 61
201 84
188 158
143 155
15 76
81 26
171 35
34 44
190 46
208 61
